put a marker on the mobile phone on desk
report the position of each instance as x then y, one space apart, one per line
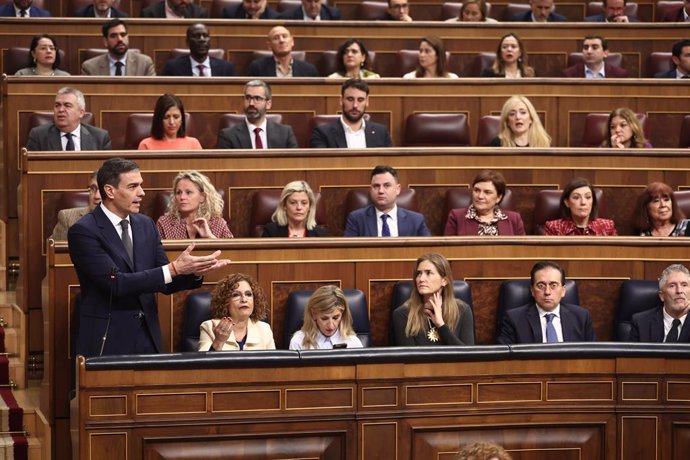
339 345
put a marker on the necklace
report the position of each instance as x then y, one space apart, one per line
432 335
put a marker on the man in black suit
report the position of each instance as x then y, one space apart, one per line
547 320
257 132
22 9
614 11
680 55
312 10
100 9
281 64
198 63
175 9
666 324
121 265
351 130
540 11
250 9
67 132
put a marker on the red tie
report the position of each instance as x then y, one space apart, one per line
201 70
257 139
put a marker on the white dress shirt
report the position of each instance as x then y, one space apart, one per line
355 139
262 134
392 221
76 138
206 64
556 321
668 323
323 342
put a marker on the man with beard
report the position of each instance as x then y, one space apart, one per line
22 9
250 9
351 130
668 323
174 9
100 9
198 63
281 64
614 11
257 132
118 61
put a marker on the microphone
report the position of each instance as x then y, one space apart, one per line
113 277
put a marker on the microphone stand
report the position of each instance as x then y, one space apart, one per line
113 277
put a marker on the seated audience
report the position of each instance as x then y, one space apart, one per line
540 11
198 63
67 217
195 210
174 9
668 323
432 315
44 58
22 9
352 61
579 210
257 131
67 132
102 9
281 64
614 11
351 130
383 217
595 48
511 59
520 125
398 10
238 305
432 60
250 9
118 61
482 451
473 11
312 10
682 15
547 320
680 55
623 130
484 217
327 322
169 127
295 216
657 213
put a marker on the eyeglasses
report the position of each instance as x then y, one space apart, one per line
92 188
256 99
552 286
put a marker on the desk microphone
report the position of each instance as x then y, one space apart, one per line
113 277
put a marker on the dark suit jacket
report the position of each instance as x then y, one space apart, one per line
332 135
182 67
527 17
523 325
46 138
237 137
273 230
362 222
238 12
97 252
602 18
7 11
88 12
158 11
670 74
578 71
326 13
266 67
648 326
458 225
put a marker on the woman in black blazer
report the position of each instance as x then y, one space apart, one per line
295 216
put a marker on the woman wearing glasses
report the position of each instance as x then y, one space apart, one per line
44 58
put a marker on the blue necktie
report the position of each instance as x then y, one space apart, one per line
385 230
551 336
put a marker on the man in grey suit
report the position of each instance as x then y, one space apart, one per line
67 132
257 132
67 217
118 61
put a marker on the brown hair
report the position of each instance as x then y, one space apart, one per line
220 298
568 190
482 451
641 221
496 178
437 44
499 64
637 140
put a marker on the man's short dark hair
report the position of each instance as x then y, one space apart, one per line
678 47
356 83
383 169
112 23
546 264
604 42
110 170
625 2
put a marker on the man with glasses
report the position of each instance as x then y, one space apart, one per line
68 217
547 320
398 10
257 132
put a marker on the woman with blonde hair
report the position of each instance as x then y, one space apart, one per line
327 322
195 211
295 215
432 60
432 315
511 59
520 125
623 130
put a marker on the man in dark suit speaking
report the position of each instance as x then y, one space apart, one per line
547 320
257 132
121 265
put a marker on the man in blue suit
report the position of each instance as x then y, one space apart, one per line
121 265
198 63
312 10
668 323
22 9
540 11
547 320
680 55
383 217
351 130
614 11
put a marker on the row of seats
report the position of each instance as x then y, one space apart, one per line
635 296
